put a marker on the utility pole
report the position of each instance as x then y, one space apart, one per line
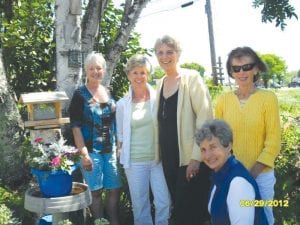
211 42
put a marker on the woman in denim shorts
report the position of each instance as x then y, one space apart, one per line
92 115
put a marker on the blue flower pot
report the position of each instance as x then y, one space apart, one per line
53 183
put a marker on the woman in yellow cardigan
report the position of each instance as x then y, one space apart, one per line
253 115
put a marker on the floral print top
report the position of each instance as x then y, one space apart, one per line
96 120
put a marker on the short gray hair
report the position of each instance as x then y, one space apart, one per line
215 128
94 57
138 61
170 42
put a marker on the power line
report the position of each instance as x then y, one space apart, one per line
171 9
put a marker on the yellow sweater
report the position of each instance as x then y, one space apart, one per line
256 126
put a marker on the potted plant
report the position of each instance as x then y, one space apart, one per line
53 164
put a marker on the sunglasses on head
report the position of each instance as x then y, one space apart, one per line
245 67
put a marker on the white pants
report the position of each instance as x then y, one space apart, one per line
140 176
266 182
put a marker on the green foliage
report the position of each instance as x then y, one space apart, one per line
289 76
276 68
194 66
288 162
6 216
110 25
101 221
214 90
158 73
119 82
10 199
65 222
28 47
278 10
15 200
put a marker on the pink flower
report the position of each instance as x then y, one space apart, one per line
38 140
56 161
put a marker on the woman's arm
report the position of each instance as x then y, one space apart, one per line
76 117
272 141
240 190
79 142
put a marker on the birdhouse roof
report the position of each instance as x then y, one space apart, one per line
43 97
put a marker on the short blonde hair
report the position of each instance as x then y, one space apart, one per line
170 42
94 58
138 61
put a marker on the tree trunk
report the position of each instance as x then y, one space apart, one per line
74 38
68 46
11 171
90 26
132 11
90 23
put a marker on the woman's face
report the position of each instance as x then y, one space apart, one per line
95 72
138 76
214 154
243 70
167 57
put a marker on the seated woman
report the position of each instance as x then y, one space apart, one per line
234 193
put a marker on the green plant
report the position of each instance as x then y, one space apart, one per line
214 90
6 216
101 221
287 164
65 222
288 176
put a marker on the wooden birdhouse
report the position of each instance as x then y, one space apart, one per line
44 109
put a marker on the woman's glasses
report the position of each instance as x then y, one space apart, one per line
245 67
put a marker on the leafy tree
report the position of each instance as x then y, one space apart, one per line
278 10
28 48
109 28
276 68
289 76
194 66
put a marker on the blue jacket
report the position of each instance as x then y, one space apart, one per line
222 179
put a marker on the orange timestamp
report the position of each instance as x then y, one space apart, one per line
264 203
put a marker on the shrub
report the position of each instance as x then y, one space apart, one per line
65 222
6 216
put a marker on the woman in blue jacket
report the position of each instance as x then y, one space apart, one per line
234 197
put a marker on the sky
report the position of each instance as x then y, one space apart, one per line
235 23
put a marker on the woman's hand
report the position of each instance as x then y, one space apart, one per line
87 162
257 168
192 169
